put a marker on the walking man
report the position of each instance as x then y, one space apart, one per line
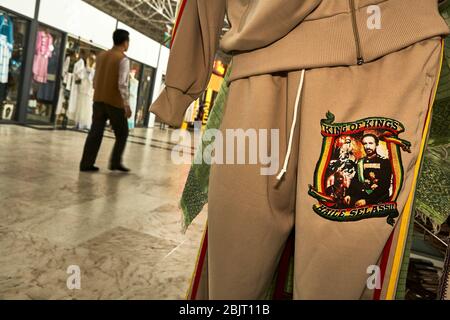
111 102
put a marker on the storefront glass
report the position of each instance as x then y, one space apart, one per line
145 96
135 74
13 40
46 65
200 110
75 101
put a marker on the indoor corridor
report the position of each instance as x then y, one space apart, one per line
123 231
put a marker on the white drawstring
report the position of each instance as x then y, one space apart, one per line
294 125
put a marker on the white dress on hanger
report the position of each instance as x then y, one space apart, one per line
85 99
79 72
5 57
65 75
134 88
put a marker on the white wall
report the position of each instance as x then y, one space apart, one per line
142 48
164 59
83 20
25 7
160 71
80 19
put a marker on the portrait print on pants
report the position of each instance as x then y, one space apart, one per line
359 174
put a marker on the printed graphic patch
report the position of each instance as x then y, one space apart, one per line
360 173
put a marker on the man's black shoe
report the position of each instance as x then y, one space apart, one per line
90 169
120 168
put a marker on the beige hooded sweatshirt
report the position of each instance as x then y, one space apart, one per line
268 36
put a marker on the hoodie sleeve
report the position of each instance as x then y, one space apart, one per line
191 58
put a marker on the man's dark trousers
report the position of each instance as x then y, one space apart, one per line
102 112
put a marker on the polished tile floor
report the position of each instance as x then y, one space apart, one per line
123 231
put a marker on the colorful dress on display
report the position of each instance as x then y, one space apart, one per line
46 92
134 87
44 51
6 46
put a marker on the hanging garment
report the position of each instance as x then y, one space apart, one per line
44 50
364 234
79 72
195 194
7 29
46 91
64 87
134 88
5 57
433 190
3 92
6 46
351 139
83 117
66 71
444 288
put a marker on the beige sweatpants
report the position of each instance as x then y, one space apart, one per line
328 195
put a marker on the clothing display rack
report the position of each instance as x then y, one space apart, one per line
431 233
444 293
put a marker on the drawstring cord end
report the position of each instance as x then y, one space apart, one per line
294 125
281 175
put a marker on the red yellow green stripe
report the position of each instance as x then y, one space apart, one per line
405 220
195 279
325 158
177 23
397 169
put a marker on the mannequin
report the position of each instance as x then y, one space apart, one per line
86 94
78 76
134 87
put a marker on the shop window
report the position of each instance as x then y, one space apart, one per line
145 96
46 66
191 110
141 79
13 37
76 95
200 109
135 74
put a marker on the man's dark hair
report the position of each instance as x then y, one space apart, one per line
377 140
120 36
